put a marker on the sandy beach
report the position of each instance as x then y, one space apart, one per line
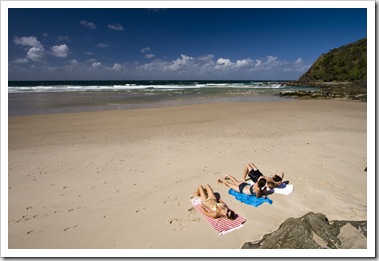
123 179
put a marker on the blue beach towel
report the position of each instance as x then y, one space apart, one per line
249 199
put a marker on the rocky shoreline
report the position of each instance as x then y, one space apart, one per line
314 231
329 90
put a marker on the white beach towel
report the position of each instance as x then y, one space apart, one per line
284 189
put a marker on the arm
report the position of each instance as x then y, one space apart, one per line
280 182
258 192
264 192
209 214
222 202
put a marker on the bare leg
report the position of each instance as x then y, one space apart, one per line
247 169
229 185
202 194
196 194
233 179
210 191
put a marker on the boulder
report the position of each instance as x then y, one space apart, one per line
314 231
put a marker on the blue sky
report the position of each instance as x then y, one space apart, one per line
175 44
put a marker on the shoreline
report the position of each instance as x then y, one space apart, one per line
96 178
52 103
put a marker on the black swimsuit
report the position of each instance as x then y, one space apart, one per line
243 185
255 174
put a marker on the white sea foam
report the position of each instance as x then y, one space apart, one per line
142 87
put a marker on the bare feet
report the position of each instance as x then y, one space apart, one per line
195 194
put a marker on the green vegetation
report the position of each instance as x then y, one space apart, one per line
344 64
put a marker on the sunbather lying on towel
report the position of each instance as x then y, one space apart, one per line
258 189
217 208
252 172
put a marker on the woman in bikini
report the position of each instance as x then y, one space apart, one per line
258 189
217 208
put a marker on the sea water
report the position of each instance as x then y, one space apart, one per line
41 97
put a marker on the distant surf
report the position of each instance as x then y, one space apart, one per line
38 97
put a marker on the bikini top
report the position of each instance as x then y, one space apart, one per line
214 207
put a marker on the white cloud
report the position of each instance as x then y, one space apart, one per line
180 64
21 61
87 24
74 62
211 67
91 60
299 61
115 27
28 41
149 56
244 63
146 50
271 58
60 51
35 54
225 62
96 65
117 67
102 45
182 67
206 58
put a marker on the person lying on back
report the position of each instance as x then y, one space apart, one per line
252 172
258 188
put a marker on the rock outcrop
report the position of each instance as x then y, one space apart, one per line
314 231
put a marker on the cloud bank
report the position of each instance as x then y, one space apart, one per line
36 64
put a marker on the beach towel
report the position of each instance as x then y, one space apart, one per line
221 225
249 199
284 189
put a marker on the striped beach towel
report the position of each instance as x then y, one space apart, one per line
221 225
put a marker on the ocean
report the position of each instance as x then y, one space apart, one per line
46 97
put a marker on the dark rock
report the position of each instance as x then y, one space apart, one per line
300 233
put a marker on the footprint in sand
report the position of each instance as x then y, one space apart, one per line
69 228
180 224
23 218
140 210
173 200
34 231
192 215
40 215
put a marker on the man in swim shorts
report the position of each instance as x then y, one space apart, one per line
252 171
254 174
